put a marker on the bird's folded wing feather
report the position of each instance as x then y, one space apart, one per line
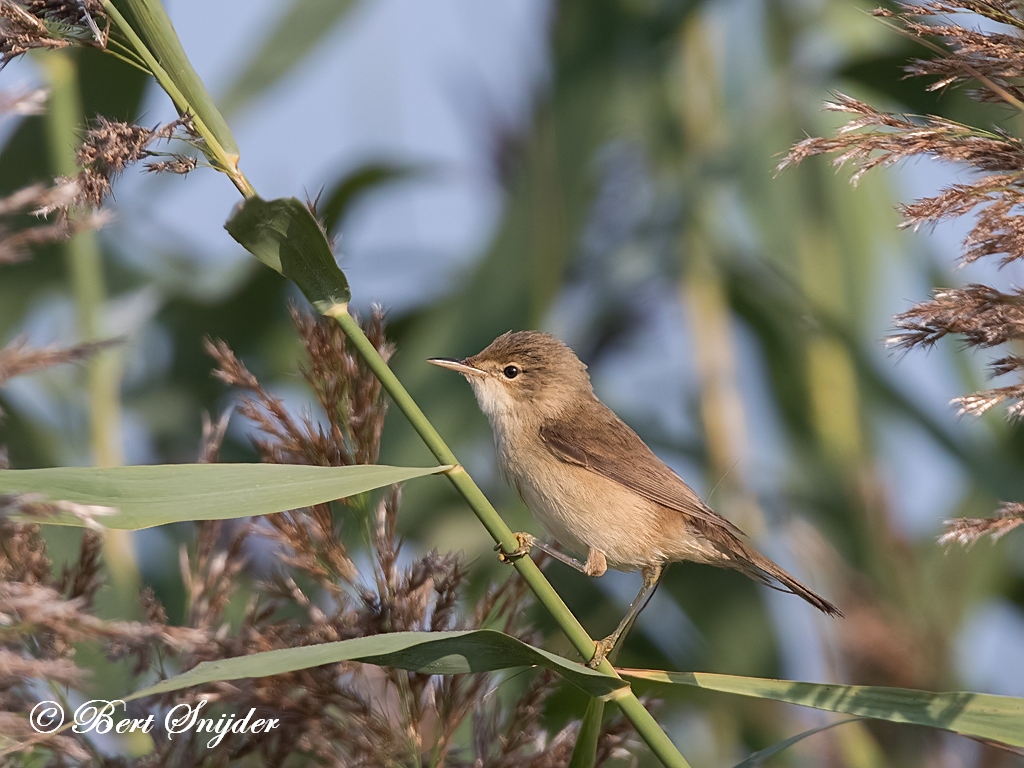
604 444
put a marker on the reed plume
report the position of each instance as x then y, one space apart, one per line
983 316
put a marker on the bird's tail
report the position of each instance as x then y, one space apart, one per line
774 576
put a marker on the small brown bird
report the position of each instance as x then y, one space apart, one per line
592 482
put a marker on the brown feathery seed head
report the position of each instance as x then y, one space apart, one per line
84 578
1005 365
38 199
15 669
967 531
981 402
17 240
179 164
18 358
983 315
21 32
344 714
213 436
112 145
23 558
230 369
344 386
904 138
29 24
958 199
152 607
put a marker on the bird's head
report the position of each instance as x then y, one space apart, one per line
524 375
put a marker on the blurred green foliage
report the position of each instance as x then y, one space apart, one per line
779 276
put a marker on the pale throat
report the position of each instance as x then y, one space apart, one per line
494 400
510 423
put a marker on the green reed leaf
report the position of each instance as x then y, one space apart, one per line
300 28
150 21
285 236
146 496
584 754
979 715
434 653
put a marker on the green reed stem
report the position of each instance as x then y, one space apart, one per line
214 149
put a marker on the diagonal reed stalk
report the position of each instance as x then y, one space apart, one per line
175 74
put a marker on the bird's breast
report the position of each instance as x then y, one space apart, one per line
582 509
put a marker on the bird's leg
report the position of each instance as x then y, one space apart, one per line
594 566
528 541
652 577
525 542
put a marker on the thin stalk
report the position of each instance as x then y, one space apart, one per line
646 726
214 149
584 754
119 50
64 122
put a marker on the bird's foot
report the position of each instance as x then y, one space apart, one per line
525 541
601 649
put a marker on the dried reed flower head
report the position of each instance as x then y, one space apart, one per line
111 146
213 436
17 358
69 12
17 240
43 615
311 591
967 531
992 58
343 384
984 316
179 164
44 618
49 24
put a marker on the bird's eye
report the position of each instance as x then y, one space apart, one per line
510 372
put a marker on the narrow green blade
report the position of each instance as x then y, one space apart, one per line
979 715
336 202
300 28
146 496
151 23
763 754
284 235
584 754
434 653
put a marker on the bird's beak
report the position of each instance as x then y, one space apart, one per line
459 366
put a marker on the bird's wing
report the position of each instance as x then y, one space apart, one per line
603 443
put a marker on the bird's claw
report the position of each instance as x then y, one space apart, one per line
525 542
601 649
